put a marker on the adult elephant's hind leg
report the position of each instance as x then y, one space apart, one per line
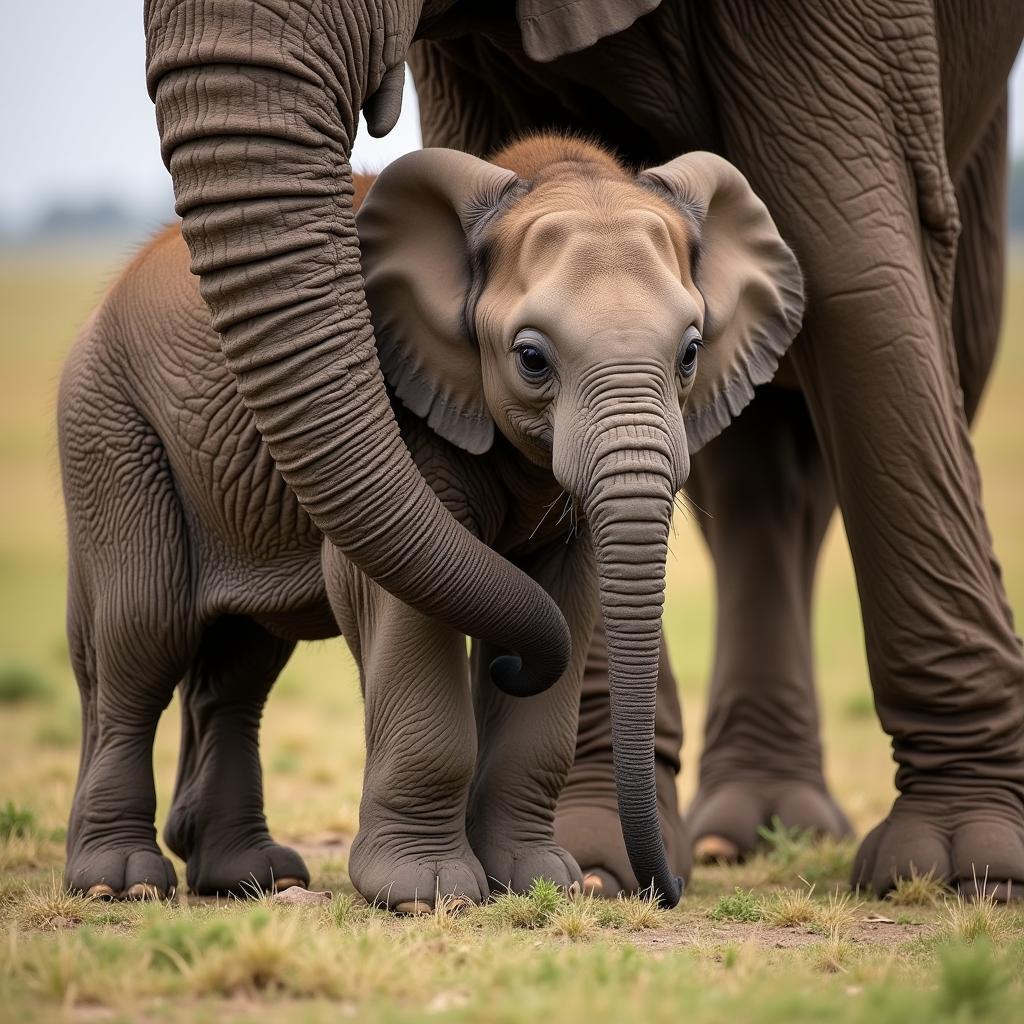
765 503
217 823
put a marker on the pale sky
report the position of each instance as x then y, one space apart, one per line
76 122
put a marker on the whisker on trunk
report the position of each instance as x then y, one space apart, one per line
546 511
694 505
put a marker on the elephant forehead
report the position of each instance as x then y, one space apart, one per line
580 244
592 270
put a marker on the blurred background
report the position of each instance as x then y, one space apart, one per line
81 186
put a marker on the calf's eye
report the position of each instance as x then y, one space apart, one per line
531 360
688 351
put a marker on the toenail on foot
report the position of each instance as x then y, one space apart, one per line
413 907
715 848
287 883
143 891
297 895
593 885
102 891
455 904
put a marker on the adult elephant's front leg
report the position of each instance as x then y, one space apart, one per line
842 134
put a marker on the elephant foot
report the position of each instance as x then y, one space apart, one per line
226 860
973 845
598 882
726 820
129 873
244 867
587 825
419 908
712 849
412 875
513 866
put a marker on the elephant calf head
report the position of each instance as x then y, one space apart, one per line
608 324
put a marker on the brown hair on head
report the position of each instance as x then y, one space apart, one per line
549 154
361 183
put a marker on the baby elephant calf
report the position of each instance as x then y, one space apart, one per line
559 335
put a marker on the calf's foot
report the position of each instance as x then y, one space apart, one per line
412 874
128 870
513 865
231 858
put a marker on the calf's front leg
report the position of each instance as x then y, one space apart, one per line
411 849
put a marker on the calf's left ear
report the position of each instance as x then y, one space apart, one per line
749 279
412 229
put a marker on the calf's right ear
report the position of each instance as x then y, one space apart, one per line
412 231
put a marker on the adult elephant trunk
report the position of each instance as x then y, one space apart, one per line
628 505
257 106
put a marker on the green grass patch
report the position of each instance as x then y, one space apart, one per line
16 822
20 684
739 905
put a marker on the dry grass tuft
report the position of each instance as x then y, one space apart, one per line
264 955
575 919
838 915
49 908
918 890
641 912
972 918
790 908
833 955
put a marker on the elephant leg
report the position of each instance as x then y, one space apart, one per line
765 489
129 639
216 823
411 849
869 203
526 748
587 821
112 850
989 841
981 261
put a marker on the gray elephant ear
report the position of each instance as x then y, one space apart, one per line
750 282
412 231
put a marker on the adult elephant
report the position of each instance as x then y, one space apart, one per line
872 131
875 132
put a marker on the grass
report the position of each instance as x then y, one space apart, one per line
975 917
739 905
774 939
16 822
790 908
22 683
919 890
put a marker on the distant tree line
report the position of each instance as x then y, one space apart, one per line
107 216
